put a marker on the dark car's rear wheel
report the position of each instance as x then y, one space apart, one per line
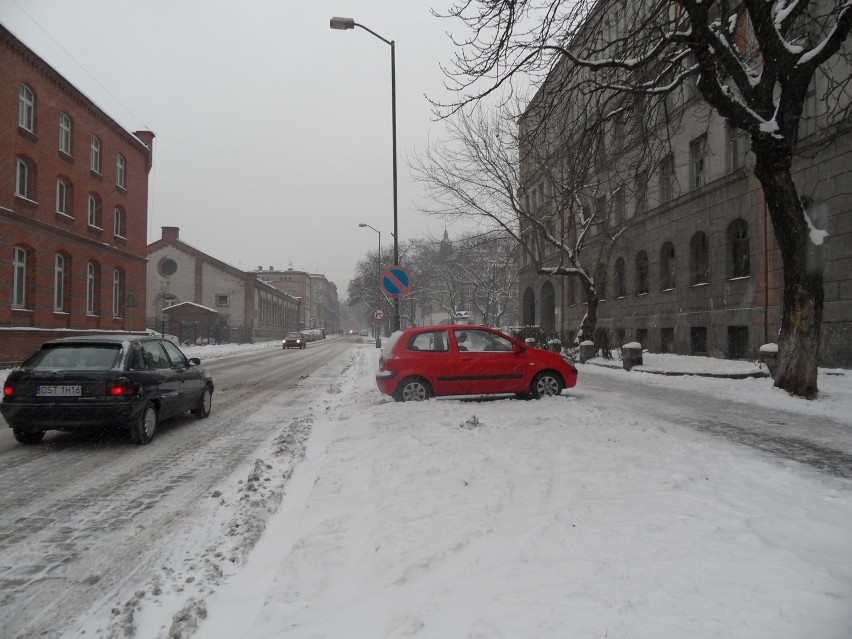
413 389
204 404
546 384
28 437
143 428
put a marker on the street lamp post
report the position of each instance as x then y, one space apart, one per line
378 275
349 23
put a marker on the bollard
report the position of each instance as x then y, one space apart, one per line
554 346
631 355
587 351
769 356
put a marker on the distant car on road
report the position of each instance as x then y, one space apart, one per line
419 363
118 381
294 340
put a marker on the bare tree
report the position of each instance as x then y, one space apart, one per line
754 61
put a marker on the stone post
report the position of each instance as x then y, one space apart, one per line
769 356
587 351
631 355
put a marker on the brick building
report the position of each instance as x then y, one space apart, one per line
320 307
73 208
246 308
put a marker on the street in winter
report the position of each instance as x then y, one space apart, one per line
633 505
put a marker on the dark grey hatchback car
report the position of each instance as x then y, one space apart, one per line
124 381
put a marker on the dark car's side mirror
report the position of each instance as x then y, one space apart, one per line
194 361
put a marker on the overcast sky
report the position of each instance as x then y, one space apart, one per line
273 130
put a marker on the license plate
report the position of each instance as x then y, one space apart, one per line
59 390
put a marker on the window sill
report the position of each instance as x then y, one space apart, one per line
64 217
121 238
96 229
21 309
96 174
699 285
66 156
30 135
26 202
739 278
121 189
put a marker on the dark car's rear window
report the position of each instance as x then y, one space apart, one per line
83 357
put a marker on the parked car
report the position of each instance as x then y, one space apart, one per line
294 340
94 382
308 335
423 362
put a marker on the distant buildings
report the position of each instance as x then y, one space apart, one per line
73 209
195 296
320 307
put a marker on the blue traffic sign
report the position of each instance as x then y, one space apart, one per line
395 281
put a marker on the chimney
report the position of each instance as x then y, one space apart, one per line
170 233
271 269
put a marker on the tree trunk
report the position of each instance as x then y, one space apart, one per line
590 319
804 262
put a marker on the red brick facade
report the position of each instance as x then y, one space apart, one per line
35 231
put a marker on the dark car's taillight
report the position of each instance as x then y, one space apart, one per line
120 387
8 390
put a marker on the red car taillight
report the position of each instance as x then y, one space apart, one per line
120 387
8 390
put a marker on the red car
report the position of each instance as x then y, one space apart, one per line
428 361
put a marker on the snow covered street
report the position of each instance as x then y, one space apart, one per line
606 512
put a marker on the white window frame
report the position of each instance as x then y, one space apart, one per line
93 207
19 277
59 283
65 133
119 227
26 109
22 178
91 282
698 152
62 190
120 171
95 154
116 293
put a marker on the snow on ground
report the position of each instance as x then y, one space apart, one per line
571 516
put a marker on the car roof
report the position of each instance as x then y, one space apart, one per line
117 338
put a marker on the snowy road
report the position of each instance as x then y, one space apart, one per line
82 514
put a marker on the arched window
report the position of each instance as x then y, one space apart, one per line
19 277
25 178
117 292
65 133
95 154
528 313
94 210
64 196
667 267
91 288
699 259
738 249
120 223
620 288
641 273
59 283
120 171
26 109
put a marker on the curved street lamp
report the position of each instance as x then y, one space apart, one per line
349 23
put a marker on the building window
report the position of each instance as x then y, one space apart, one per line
120 167
699 259
698 161
59 283
168 300
738 248
667 343
620 289
22 178
117 292
19 277
168 267
63 197
737 147
94 216
641 192
738 342
667 267
222 300
641 273
667 178
698 340
119 223
95 155
26 109
91 288
65 133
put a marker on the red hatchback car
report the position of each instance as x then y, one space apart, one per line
428 361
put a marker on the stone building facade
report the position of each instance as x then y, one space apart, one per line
73 209
698 270
248 308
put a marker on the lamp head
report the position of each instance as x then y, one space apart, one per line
362 225
342 23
